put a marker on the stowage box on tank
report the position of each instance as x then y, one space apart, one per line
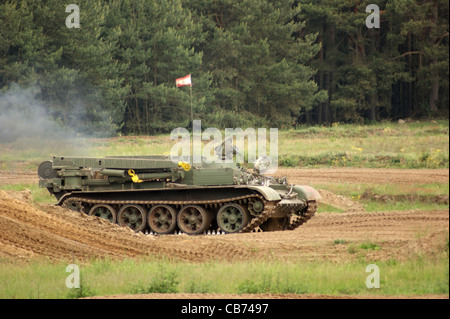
156 194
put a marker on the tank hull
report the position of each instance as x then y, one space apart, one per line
151 194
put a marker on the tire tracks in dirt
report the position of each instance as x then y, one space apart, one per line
54 232
307 176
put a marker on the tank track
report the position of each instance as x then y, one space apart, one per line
269 207
304 217
253 225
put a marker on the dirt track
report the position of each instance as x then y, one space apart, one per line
311 176
365 175
29 231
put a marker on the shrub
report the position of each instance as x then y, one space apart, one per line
370 246
340 242
162 283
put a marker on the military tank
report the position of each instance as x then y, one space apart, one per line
158 195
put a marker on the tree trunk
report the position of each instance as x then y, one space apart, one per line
434 93
434 89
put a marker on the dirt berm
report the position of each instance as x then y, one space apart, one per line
29 231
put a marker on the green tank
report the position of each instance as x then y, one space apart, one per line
158 195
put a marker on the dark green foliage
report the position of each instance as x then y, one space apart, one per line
397 71
253 62
82 292
71 70
164 282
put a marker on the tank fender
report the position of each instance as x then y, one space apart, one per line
307 193
268 193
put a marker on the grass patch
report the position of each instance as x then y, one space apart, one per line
373 206
414 145
82 292
389 197
328 208
369 246
386 144
38 195
358 189
105 277
376 202
165 282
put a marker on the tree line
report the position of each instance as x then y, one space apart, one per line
254 63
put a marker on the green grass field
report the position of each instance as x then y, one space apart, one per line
41 279
386 145
412 145
386 197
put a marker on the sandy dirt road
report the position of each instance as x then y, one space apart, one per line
364 175
307 176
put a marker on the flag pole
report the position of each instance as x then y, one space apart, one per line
192 110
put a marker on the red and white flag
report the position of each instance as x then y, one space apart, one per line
184 81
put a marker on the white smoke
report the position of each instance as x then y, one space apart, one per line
24 116
26 124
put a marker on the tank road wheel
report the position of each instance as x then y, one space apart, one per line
132 216
104 211
232 218
193 219
162 219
